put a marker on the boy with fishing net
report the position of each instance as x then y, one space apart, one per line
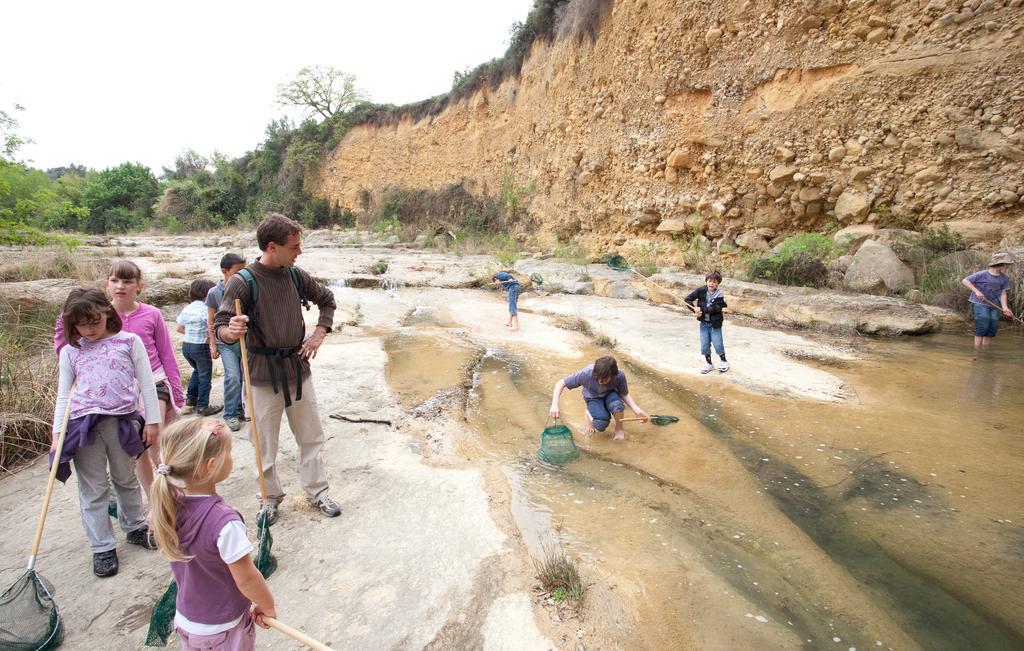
988 298
707 303
605 392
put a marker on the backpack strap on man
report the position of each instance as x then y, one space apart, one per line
299 286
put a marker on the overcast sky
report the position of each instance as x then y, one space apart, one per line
105 82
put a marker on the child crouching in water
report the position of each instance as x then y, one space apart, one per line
605 392
109 366
707 303
220 591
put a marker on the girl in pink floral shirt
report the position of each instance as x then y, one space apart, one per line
123 285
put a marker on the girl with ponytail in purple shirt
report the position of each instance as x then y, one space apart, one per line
221 594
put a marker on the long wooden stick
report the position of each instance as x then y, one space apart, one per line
297 635
254 434
53 478
985 298
632 420
666 290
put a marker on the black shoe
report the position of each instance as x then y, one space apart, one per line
211 410
105 563
142 537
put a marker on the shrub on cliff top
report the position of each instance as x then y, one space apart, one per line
547 21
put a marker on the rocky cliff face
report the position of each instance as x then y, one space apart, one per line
739 120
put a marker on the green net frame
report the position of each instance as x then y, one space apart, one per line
661 421
29 617
556 445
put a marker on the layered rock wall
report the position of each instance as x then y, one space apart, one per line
739 120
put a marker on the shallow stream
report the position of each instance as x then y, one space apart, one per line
892 520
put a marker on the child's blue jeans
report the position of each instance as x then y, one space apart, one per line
232 381
513 298
709 335
986 320
198 357
601 409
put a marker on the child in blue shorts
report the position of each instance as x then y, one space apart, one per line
989 289
606 393
509 283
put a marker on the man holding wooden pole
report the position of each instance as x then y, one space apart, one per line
271 291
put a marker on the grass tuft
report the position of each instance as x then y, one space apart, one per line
560 577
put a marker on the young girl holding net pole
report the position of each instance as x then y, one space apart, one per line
110 367
221 594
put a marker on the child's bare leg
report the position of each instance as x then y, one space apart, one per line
514 322
979 342
590 421
145 463
620 431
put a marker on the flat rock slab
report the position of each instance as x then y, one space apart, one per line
407 557
670 341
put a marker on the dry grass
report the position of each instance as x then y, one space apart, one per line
56 263
574 324
28 369
560 577
194 272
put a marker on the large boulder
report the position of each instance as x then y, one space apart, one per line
877 270
976 232
33 295
854 236
852 206
165 291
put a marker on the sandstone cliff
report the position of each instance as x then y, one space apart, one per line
740 120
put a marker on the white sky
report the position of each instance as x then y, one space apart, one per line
113 81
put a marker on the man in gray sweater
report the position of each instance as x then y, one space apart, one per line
279 352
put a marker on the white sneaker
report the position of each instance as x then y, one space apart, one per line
707 368
724 367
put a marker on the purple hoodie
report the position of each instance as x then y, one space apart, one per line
207 593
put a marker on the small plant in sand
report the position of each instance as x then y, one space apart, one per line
574 324
604 341
560 577
379 268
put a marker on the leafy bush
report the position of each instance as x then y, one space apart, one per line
645 258
388 226
942 240
799 260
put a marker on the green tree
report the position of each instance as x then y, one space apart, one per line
10 141
120 198
323 90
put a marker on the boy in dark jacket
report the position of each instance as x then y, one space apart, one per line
707 303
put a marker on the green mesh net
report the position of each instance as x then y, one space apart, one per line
161 622
618 263
537 279
29 618
661 421
556 445
265 561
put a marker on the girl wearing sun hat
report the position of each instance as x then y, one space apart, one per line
989 289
